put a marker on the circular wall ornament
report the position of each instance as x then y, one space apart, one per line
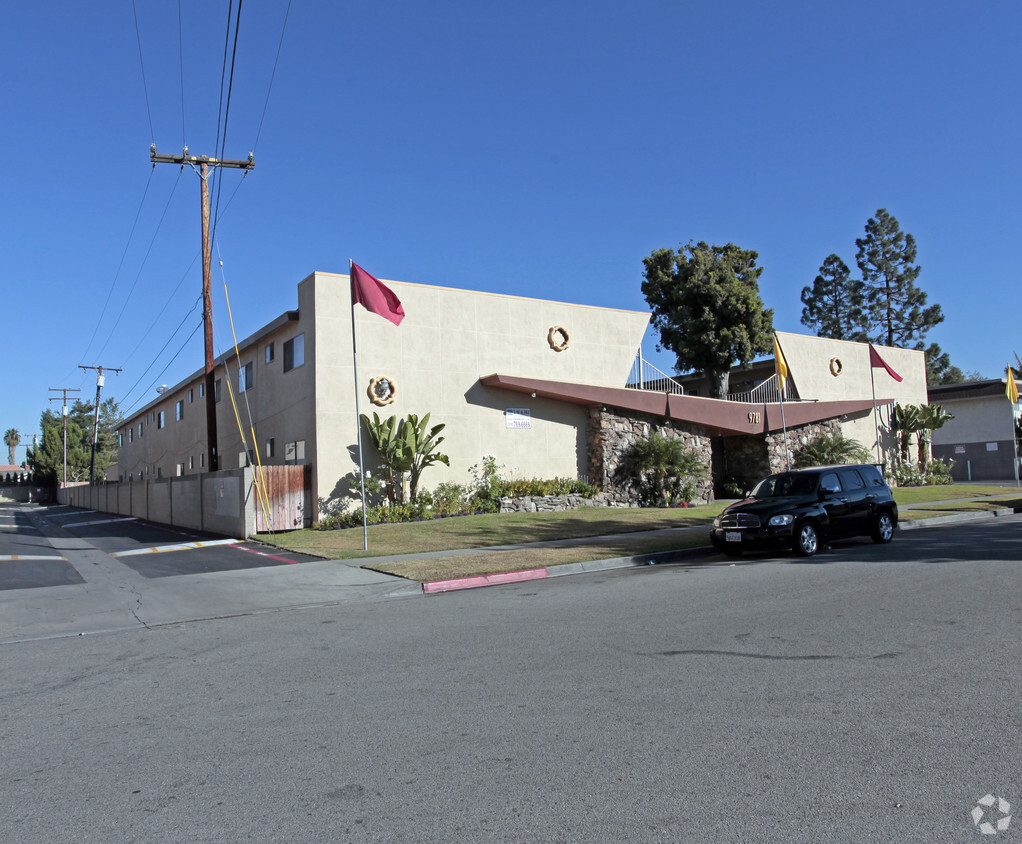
558 338
382 390
835 366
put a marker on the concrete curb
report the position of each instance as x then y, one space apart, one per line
660 558
954 518
588 567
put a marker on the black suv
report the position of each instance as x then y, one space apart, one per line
802 508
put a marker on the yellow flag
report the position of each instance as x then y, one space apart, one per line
1011 391
781 363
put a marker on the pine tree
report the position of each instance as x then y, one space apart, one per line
834 304
896 311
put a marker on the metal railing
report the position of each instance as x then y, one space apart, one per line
645 376
767 392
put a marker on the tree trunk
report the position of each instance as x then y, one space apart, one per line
718 382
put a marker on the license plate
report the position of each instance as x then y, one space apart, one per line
732 536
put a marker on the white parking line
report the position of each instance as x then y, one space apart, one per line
185 546
9 557
98 522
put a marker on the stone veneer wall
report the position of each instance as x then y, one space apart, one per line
544 503
750 458
611 436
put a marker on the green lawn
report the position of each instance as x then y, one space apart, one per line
486 531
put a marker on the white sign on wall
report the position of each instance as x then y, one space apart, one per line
518 417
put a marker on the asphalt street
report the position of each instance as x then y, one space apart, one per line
868 694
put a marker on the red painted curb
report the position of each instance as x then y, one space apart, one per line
484 580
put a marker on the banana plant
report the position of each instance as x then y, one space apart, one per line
905 420
931 417
405 446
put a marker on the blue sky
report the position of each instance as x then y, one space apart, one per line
536 149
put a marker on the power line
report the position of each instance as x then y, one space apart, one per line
227 112
113 283
181 64
272 75
138 275
131 389
145 87
160 374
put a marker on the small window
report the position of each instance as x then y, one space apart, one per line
191 396
131 435
202 460
294 453
242 459
294 352
160 419
180 469
120 439
218 392
269 352
270 443
245 378
202 389
140 430
179 411
191 462
159 472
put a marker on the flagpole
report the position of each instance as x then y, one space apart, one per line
1014 442
784 432
358 415
876 415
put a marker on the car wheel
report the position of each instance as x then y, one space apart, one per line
806 539
883 528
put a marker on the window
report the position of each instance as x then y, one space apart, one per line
191 395
269 352
160 419
218 392
830 483
179 410
120 439
131 435
851 479
191 462
180 469
245 377
202 389
270 447
159 472
140 430
242 459
202 461
294 453
294 352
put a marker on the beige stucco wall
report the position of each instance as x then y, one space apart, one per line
447 341
813 360
977 419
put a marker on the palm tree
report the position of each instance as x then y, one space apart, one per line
662 465
12 439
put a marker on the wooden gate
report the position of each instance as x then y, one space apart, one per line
279 493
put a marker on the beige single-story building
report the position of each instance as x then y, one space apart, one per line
549 389
981 438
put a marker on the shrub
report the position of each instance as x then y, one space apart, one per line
938 472
830 450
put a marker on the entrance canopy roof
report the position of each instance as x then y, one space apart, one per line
717 415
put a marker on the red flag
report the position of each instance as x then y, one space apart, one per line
875 362
369 292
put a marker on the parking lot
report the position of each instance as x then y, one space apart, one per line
72 572
28 558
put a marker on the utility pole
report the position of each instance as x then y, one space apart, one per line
65 391
100 380
202 165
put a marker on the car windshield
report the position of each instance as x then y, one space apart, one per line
778 486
